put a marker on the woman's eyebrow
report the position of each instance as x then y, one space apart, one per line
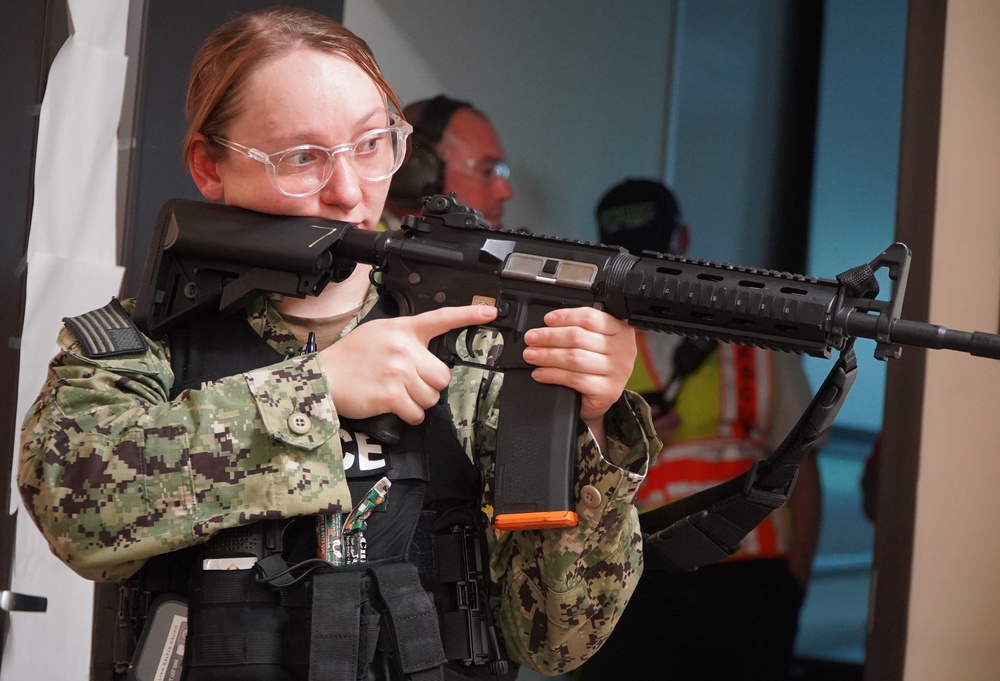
374 112
306 136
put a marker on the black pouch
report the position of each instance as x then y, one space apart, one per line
345 624
277 622
236 629
236 623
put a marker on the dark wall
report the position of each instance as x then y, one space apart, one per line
791 202
24 62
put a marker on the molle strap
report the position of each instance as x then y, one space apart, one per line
232 586
241 650
336 626
412 621
107 332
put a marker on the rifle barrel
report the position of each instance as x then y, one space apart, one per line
978 343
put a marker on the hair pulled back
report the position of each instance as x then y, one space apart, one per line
227 58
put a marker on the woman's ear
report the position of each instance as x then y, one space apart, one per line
204 170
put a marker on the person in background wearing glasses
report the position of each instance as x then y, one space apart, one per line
455 149
145 459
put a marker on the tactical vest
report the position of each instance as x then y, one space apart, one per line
418 608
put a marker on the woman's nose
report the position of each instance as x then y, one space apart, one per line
343 189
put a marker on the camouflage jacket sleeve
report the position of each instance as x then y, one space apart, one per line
113 472
560 592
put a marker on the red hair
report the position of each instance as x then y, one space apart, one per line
226 59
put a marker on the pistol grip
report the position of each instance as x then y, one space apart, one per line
536 454
385 428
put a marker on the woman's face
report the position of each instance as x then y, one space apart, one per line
304 97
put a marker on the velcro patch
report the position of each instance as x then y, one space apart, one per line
107 332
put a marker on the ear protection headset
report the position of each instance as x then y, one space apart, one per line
422 174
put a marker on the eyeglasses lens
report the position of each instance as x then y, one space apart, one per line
374 156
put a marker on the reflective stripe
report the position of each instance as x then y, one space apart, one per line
726 409
745 383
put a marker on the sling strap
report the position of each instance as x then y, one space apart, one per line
710 525
689 356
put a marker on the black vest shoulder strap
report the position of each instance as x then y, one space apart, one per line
689 355
214 346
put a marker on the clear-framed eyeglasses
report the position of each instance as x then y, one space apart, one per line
304 170
488 171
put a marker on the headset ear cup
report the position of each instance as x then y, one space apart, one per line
422 175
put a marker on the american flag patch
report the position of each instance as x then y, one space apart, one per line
107 332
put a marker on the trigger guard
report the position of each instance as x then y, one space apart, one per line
471 333
446 347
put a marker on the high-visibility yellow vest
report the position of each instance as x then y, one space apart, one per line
726 410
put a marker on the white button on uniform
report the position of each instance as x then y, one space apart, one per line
299 423
590 496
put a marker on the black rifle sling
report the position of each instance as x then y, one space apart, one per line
710 525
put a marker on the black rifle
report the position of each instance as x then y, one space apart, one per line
211 255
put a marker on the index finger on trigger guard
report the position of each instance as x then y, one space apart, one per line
438 322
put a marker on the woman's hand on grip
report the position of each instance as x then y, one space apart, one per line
384 366
586 350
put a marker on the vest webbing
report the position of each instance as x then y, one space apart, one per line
338 597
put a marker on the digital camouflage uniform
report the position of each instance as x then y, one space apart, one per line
115 473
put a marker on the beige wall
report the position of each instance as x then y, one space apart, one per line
955 597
